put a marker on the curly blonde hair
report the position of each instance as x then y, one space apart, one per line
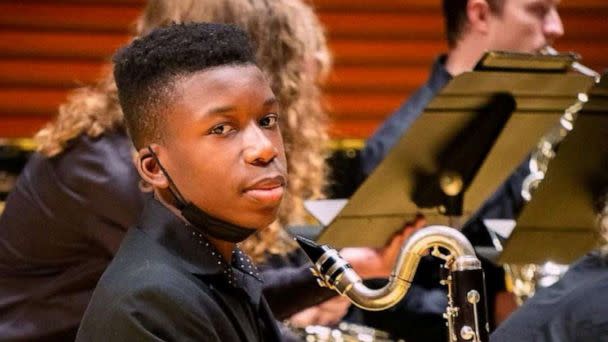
89 110
291 49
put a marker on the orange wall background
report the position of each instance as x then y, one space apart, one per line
382 52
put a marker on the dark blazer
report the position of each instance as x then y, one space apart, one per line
167 283
575 309
62 224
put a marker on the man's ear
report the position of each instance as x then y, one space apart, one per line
149 170
478 15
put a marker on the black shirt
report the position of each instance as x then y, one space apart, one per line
574 309
168 283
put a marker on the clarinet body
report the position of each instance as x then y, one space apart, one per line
466 313
467 309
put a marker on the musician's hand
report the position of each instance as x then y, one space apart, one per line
327 313
378 262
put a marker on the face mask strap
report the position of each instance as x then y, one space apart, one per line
172 187
198 218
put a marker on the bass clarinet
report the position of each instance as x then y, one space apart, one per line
466 313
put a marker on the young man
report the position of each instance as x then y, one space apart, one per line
472 28
205 123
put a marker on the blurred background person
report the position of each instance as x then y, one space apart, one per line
472 27
573 309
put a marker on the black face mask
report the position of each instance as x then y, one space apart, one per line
200 220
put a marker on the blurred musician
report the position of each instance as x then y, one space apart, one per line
473 27
573 309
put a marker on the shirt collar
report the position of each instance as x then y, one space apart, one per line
195 252
439 74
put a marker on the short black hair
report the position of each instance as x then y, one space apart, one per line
146 70
455 16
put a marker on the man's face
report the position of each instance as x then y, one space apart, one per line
223 147
525 26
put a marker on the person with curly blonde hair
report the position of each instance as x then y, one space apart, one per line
80 192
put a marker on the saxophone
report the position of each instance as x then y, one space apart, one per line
525 278
466 313
546 147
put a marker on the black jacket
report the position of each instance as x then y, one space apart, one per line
575 309
62 224
167 283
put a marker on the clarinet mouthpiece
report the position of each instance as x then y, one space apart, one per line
312 250
328 267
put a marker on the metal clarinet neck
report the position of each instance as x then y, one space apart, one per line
466 313
335 273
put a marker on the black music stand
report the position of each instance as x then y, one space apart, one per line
465 144
559 223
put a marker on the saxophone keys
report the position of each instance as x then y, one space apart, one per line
467 333
473 297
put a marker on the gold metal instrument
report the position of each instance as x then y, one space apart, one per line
343 332
466 313
548 50
546 147
523 279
